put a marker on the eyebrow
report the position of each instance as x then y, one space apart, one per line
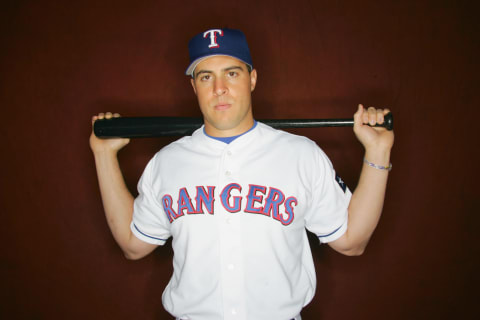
226 69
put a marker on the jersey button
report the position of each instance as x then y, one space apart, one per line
228 173
234 311
231 267
229 153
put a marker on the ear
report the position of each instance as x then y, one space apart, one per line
253 79
192 81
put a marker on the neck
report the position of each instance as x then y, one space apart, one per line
230 139
227 131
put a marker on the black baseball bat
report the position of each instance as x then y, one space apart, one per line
149 127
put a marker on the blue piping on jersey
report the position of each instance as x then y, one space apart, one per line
327 235
146 235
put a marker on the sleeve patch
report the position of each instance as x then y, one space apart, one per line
340 182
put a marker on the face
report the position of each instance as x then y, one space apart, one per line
223 87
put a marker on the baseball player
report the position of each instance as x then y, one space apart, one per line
237 196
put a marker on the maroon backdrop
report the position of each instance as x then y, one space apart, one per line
63 61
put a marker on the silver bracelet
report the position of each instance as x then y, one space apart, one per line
376 166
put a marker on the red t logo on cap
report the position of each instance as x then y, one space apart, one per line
213 37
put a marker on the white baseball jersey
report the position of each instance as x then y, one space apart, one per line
237 213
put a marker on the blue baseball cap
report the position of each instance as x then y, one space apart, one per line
218 42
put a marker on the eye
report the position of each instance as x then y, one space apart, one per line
205 77
232 74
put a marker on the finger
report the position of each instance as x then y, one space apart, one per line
116 115
101 116
365 116
108 115
372 116
380 118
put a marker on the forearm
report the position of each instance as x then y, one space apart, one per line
117 199
367 200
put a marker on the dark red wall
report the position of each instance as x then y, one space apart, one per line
63 61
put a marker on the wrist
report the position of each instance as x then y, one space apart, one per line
377 166
380 157
105 153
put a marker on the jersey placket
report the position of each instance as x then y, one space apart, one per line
232 273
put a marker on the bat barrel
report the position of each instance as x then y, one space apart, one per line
145 127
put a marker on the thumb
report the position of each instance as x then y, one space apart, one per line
357 117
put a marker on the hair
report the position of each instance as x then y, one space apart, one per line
249 69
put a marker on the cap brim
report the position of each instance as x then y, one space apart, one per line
191 68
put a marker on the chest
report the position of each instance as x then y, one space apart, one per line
260 187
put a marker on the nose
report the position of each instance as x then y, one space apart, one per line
220 87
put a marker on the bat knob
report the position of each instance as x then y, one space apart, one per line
388 121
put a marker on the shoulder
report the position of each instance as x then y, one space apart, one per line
290 145
286 139
168 153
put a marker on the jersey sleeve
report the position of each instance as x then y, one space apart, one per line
149 222
327 216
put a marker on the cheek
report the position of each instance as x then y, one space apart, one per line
202 95
244 93
203 102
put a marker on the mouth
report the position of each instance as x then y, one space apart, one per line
222 106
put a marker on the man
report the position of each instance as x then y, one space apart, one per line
237 195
